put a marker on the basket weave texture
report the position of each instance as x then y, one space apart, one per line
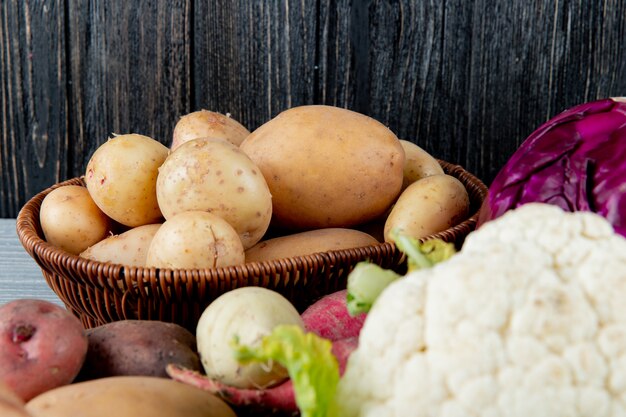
100 293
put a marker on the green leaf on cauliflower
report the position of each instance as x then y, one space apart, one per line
367 281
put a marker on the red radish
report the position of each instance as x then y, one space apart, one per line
280 397
329 318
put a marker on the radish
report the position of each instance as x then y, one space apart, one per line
329 318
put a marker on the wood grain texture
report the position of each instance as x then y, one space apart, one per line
468 81
34 141
253 59
130 71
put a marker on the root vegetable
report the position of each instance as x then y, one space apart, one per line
330 319
42 346
280 397
245 314
138 348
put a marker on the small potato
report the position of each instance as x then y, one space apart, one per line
327 166
249 314
129 248
418 164
121 178
138 347
42 346
71 220
128 396
195 239
214 175
306 243
430 205
204 123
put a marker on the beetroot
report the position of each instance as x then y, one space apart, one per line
329 318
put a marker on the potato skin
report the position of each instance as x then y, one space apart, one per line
10 404
128 396
121 178
139 348
195 239
205 123
214 175
71 220
129 248
309 242
418 164
326 166
42 346
430 205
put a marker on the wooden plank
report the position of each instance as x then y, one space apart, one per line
33 125
253 59
20 276
470 80
466 80
130 71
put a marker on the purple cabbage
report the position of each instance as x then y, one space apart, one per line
576 160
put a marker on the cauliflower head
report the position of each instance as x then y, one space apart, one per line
528 319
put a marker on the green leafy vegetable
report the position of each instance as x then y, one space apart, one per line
423 255
367 281
312 367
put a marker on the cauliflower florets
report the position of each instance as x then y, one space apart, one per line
528 319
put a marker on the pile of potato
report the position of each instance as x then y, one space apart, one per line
312 179
51 367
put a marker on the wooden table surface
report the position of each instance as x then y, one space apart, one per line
20 276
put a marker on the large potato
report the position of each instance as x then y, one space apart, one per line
326 166
204 123
306 243
214 175
121 178
129 248
71 220
195 239
430 205
42 346
418 163
138 347
128 396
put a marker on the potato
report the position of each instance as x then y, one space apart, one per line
195 239
306 243
327 167
128 396
138 347
10 404
42 346
214 175
204 123
129 248
430 205
418 164
71 220
121 178
248 313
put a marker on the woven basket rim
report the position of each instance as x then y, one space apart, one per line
30 235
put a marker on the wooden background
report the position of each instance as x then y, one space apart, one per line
466 80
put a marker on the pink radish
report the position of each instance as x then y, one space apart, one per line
329 318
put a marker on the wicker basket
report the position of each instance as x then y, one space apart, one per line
99 292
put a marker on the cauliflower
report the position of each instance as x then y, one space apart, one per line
528 319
